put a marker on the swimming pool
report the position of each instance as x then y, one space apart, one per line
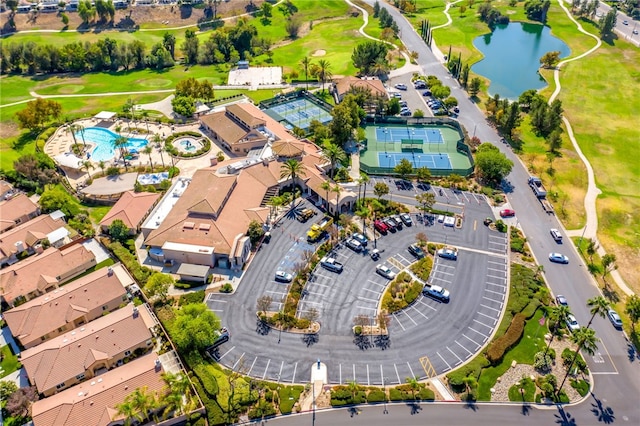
103 138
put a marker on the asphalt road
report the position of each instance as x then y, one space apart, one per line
616 366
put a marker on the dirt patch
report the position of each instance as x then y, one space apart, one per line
319 53
9 129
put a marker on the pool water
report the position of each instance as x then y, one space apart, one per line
103 138
187 145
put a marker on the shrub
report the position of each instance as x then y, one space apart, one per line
567 356
426 394
422 268
581 386
195 297
140 273
376 395
395 395
413 292
502 344
226 288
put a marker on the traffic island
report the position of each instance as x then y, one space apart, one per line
282 322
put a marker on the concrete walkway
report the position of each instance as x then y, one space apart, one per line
442 390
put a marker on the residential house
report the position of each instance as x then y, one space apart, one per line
242 127
132 208
17 210
27 238
95 402
70 306
372 85
43 272
90 350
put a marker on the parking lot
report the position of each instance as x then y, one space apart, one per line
424 338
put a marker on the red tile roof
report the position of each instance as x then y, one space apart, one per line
131 208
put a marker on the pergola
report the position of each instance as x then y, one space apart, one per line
104 115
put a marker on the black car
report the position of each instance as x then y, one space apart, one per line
391 224
397 224
415 250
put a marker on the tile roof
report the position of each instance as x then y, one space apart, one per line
246 115
28 233
226 127
68 355
373 84
15 208
131 208
40 271
62 306
288 148
93 403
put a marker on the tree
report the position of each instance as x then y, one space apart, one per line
364 213
365 55
511 118
87 166
608 23
195 327
380 189
586 339
190 47
333 154
608 264
324 71
591 249
183 105
7 388
118 231
86 11
599 306
474 87
632 308
19 403
264 303
554 140
266 9
440 92
169 43
158 285
404 168
255 231
470 383
393 106
536 10
177 391
362 181
426 200
305 62
37 113
550 59
491 163
292 169
423 174
346 118
292 27
559 314
337 189
149 150
413 384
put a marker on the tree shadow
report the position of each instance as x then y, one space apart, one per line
526 409
23 140
610 294
383 341
362 342
185 11
414 408
563 418
604 414
262 328
631 352
127 24
610 39
310 339
470 403
353 411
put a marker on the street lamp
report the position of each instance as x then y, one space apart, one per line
280 333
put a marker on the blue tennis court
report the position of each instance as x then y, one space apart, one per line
398 134
299 113
418 160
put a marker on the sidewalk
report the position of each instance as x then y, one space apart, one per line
442 390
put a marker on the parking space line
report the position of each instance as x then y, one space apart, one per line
413 375
414 308
470 339
239 359
266 368
399 322
252 364
482 334
368 300
424 304
496 277
313 303
408 316
489 307
497 285
454 354
368 380
493 300
216 310
497 263
378 284
458 343
481 323
340 374
321 294
226 353
382 374
437 271
366 307
354 372
495 292
488 316
295 368
372 291
498 269
275 292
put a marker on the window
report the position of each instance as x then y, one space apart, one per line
60 386
80 376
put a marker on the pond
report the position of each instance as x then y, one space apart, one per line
512 55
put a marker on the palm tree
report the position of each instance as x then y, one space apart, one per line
413 384
363 180
177 392
127 410
148 150
324 71
599 306
274 203
142 401
102 166
591 249
353 388
145 115
72 129
333 154
292 169
364 213
470 383
120 143
337 189
157 139
560 313
86 165
326 185
305 62
586 339
80 128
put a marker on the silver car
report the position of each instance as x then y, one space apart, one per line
385 272
614 318
572 323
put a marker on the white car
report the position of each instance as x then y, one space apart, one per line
437 292
448 253
385 272
360 238
283 276
558 258
401 86
572 323
354 245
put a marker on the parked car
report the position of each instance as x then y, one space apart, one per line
305 215
406 219
401 86
436 292
406 113
426 93
572 323
381 227
404 104
283 277
507 213
456 110
391 221
448 253
558 258
614 318
415 250
391 225
360 238
398 220
223 337
561 300
354 245
396 95
419 84
385 272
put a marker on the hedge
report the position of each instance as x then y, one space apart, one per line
502 344
140 273
422 268
376 396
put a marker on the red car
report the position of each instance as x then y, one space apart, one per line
381 227
507 213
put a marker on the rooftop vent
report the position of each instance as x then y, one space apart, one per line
109 271
135 312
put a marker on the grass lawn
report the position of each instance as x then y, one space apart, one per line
97 213
532 341
9 362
